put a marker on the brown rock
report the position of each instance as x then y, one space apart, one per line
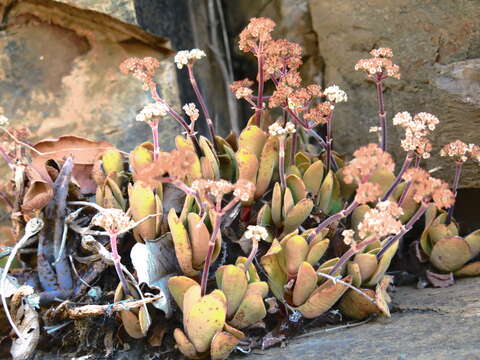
436 44
59 72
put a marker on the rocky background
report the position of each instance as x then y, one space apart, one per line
59 60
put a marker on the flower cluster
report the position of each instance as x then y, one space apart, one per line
366 161
191 111
244 190
185 57
142 69
381 220
426 188
380 65
348 237
4 121
335 95
152 112
278 130
416 131
114 221
256 232
282 56
320 113
368 192
258 30
459 150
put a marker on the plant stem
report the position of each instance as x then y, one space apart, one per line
281 161
116 261
381 114
261 80
156 145
252 254
405 166
456 180
203 105
408 226
329 141
352 251
332 219
208 258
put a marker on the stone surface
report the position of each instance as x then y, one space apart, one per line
426 324
59 72
437 46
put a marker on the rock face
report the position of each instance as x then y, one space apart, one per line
437 46
59 70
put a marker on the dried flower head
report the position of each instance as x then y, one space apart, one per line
152 112
256 232
416 131
244 189
459 150
380 66
142 69
4 121
179 163
278 130
427 188
258 30
319 113
335 95
185 57
114 221
191 111
282 56
348 237
368 192
366 161
381 221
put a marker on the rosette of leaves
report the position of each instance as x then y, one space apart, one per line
257 158
244 293
288 209
446 250
206 331
290 263
191 236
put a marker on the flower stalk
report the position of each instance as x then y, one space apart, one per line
456 180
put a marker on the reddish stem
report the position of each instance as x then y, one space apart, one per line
408 226
201 100
116 261
329 140
381 114
456 180
352 251
405 166
332 219
208 258
281 161
156 145
261 80
252 254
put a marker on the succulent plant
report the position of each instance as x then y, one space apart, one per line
446 250
293 279
244 293
204 320
191 237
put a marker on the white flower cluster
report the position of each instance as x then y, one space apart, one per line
151 111
381 220
335 94
243 93
256 232
416 131
184 57
375 129
4 121
348 237
278 130
192 111
459 150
